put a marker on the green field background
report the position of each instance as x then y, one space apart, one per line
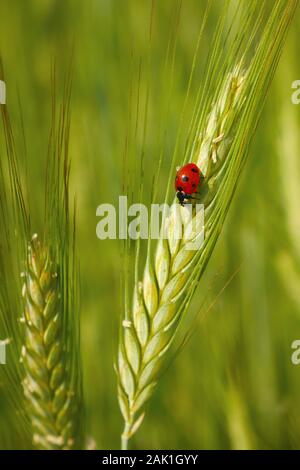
233 385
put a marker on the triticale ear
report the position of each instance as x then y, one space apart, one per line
227 109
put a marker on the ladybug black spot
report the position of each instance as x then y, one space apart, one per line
185 178
193 185
180 188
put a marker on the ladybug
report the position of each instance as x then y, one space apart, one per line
187 181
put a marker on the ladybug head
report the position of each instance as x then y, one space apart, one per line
181 197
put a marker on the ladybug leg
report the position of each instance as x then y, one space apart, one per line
188 197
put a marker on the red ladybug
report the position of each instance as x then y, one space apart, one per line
187 181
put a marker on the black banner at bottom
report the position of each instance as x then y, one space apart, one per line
134 459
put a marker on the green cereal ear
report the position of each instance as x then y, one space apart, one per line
225 118
45 388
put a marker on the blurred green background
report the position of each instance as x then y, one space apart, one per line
233 386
